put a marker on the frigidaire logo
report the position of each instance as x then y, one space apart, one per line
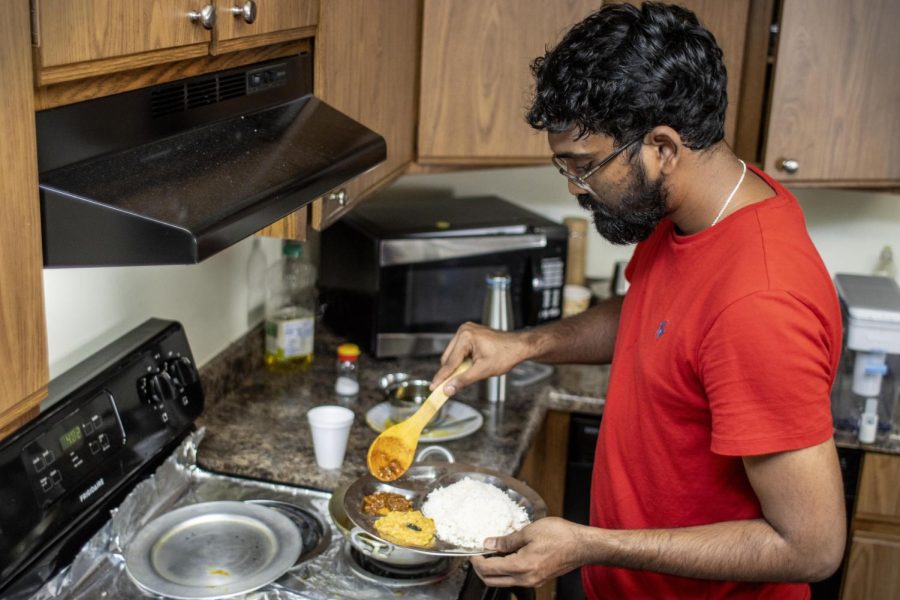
90 491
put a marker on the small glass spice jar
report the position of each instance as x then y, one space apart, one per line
347 381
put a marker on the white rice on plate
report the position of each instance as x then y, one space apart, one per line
467 512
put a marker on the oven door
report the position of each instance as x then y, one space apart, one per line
429 287
423 305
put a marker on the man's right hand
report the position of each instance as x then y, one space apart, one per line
492 353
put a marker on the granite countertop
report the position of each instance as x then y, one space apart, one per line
258 429
256 424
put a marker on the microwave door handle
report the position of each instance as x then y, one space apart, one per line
412 251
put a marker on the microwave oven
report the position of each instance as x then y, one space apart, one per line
399 275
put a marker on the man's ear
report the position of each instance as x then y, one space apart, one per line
666 149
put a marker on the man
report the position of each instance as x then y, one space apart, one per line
716 473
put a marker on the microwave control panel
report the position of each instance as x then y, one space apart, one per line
547 284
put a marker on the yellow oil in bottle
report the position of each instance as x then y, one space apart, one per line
289 339
290 312
287 365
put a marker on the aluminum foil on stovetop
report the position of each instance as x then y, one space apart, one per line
99 569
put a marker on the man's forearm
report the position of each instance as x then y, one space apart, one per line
735 551
588 337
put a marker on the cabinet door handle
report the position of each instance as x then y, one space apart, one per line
247 11
789 165
340 197
206 16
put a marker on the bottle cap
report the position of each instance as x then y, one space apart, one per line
501 280
292 248
348 352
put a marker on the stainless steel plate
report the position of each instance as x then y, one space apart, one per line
315 534
419 480
212 550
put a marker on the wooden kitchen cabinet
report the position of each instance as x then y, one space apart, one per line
544 470
476 83
366 60
82 38
879 489
833 114
728 23
367 57
76 39
871 570
872 567
272 21
23 341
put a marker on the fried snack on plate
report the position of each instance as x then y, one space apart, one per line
407 528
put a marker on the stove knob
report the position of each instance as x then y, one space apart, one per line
163 386
182 370
149 392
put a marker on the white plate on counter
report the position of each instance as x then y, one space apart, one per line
461 420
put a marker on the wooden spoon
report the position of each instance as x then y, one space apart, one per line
393 451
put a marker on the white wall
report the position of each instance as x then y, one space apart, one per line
850 228
88 308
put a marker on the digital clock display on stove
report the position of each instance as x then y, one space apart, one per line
71 439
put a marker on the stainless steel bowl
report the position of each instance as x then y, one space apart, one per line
389 379
407 396
370 545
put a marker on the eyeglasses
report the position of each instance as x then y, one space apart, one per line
581 180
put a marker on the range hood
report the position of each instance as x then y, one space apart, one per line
174 173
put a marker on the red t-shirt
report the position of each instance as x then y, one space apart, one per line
727 346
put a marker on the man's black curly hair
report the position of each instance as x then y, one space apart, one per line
624 70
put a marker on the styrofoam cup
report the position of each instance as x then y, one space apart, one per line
330 427
576 299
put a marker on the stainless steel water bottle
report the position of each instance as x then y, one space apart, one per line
497 315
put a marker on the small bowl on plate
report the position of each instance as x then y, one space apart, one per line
407 396
389 379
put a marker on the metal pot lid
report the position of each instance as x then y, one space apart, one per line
419 481
212 550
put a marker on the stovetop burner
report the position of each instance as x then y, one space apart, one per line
396 576
315 534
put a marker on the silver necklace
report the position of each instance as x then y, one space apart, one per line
731 195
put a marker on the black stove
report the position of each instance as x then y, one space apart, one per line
397 576
106 423
115 447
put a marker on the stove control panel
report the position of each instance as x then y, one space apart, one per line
106 422
74 447
167 384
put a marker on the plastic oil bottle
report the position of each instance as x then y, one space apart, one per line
290 311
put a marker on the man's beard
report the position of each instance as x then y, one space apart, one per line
639 210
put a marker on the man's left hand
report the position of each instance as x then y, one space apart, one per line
541 551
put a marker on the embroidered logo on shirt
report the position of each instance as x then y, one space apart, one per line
661 329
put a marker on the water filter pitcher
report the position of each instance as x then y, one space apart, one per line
866 389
